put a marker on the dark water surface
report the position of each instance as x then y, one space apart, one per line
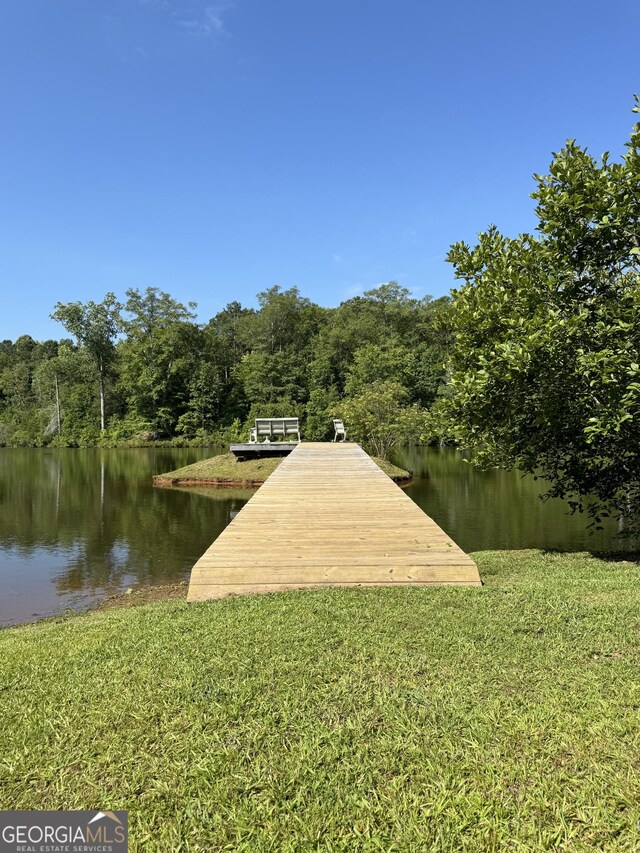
76 525
497 510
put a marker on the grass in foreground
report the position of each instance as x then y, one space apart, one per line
501 718
227 467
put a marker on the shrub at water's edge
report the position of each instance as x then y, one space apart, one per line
226 470
379 417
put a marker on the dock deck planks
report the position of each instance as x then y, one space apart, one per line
329 516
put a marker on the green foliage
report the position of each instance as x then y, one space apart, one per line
127 429
285 321
546 337
159 358
232 433
377 363
167 378
95 327
319 412
379 418
266 378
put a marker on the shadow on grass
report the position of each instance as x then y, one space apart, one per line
605 556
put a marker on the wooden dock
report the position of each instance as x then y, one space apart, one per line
329 516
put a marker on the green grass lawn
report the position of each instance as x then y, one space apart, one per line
227 467
501 718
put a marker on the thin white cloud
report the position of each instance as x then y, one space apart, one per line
337 258
199 19
207 22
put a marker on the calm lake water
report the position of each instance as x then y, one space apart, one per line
76 525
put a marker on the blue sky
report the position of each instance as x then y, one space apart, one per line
213 149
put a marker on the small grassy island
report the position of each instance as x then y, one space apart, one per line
225 470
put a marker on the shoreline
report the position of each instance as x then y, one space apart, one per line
163 482
139 596
226 472
127 598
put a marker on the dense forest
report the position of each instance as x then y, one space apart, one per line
143 370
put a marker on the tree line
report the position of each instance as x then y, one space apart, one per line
143 370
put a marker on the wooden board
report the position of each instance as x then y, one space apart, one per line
328 516
262 450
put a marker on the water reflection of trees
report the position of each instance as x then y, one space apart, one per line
496 509
91 520
99 507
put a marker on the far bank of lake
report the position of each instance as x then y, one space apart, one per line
78 525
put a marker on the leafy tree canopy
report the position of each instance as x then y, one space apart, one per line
545 352
95 326
378 417
167 377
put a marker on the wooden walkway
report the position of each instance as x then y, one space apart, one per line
328 516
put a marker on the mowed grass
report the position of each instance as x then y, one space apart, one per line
227 467
407 719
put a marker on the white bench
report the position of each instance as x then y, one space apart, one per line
269 429
340 430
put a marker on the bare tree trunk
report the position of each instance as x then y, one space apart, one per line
625 517
58 417
101 397
58 491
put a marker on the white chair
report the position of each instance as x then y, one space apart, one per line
340 430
